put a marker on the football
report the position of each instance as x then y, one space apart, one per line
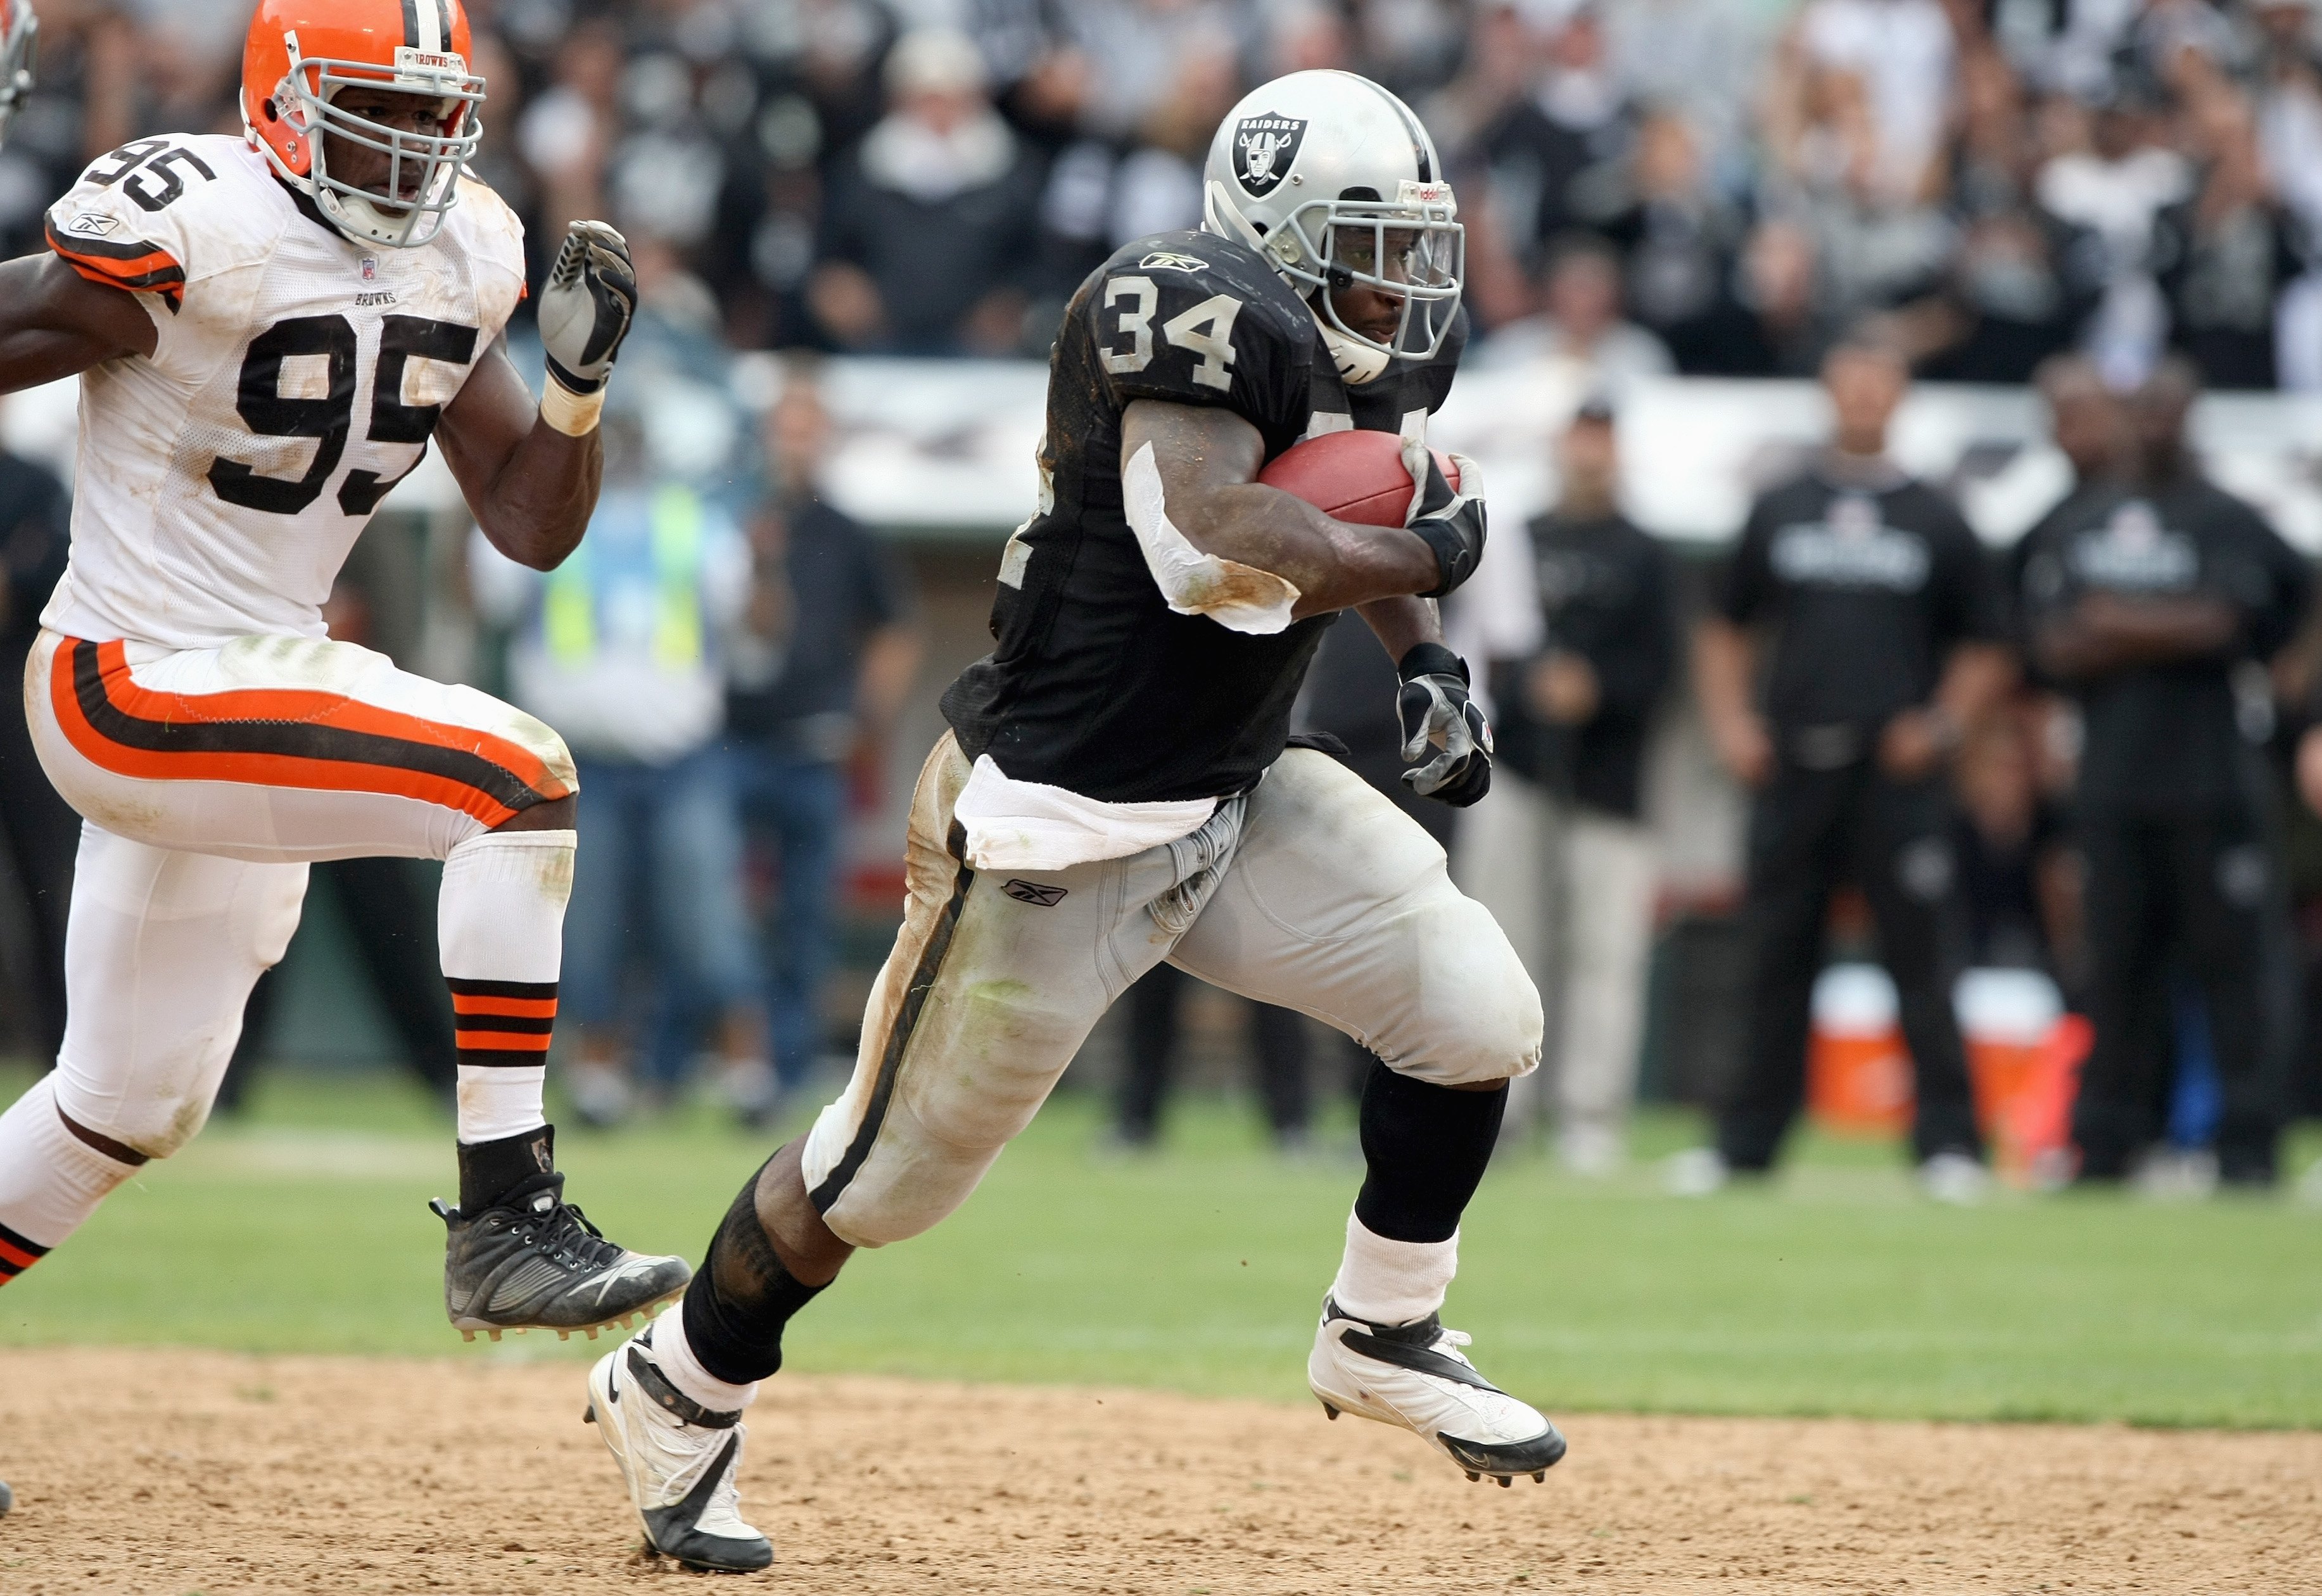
1353 476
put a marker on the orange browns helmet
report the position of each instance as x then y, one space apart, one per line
18 27
301 54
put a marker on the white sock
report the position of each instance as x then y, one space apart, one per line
675 1355
500 922
1393 1282
50 1178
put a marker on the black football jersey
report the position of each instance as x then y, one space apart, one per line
1095 684
2165 736
1868 587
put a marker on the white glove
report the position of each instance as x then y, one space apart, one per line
1451 520
584 314
1434 709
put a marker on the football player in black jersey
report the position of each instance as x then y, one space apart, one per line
1119 788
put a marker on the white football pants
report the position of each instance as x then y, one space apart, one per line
1313 892
207 779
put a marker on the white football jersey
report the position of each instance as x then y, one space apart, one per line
297 376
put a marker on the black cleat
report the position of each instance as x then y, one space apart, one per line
534 1262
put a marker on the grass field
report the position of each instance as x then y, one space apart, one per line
1837 1292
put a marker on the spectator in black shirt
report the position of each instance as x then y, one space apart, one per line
2224 256
40 831
827 652
925 235
1554 152
1886 642
1770 326
2017 292
2148 599
1574 718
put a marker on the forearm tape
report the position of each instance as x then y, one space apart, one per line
737 1306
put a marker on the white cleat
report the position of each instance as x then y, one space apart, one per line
1698 1172
1415 1377
679 1460
1955 1179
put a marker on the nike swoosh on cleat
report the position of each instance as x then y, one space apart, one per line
1419 1359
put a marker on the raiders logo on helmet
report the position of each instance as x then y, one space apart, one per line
1267 145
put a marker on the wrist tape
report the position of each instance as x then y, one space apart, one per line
573 415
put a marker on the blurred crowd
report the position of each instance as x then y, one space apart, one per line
2116 195
1716 186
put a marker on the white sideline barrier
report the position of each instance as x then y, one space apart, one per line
944 446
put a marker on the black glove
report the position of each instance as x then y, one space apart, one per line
585 309
1451 521
1434 708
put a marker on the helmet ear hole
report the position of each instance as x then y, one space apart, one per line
271 114
1362 193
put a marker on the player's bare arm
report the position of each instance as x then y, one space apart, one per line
1209 460
55 324
1402 624
1724 664
530 486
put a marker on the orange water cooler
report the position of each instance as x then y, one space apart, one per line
2024 1055
1857 1072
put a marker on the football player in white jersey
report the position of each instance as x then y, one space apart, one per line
268 329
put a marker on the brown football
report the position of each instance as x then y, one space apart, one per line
1354 476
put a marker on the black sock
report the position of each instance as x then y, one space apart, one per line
1426 1146
737 1306
490 1171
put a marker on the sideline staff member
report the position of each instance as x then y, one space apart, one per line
1574 718
2144 599
1885 627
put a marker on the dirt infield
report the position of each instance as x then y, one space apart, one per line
163 1473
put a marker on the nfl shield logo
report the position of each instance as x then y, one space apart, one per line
1265 147
370 269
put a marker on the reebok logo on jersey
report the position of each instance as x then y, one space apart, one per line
1035 894
1268 145
1168 260
93 224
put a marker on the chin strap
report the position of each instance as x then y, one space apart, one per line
1358 362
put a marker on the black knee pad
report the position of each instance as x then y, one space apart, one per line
738 1304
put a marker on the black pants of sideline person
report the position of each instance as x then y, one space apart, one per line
1278 1037
2200 886
393 926
42 836
1809 831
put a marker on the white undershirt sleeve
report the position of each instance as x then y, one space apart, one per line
1239 597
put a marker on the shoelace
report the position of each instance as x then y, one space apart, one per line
725 1497
566 1235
